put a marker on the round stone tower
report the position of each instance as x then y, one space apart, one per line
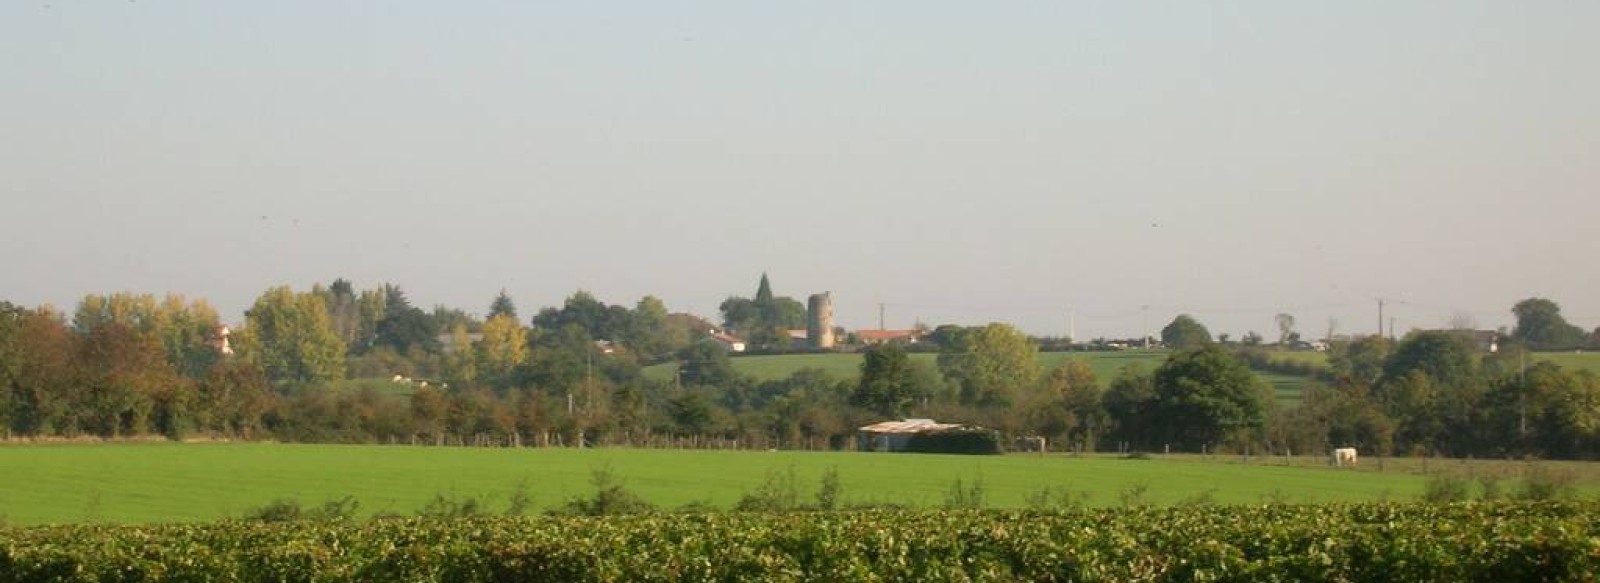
819 320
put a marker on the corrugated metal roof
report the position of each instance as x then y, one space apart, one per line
908 426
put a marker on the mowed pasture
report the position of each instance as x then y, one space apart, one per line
178 482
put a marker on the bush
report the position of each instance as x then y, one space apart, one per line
451 507
1547 541
779 491
965 496
611 497
963 441
1443 488
1542 483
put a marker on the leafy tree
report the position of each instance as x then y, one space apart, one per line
502 306
649 334
447 319
1251 338
705 363
1130 402
1185 333
1540 325
1361 360
344 311
1433 389
1206 395
125 377
887 382
502 350
1446 358
989 364
1073 390
291 337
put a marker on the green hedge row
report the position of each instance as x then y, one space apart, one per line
1371 542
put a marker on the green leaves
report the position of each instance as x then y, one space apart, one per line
1368 542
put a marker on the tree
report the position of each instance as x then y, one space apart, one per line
989 364
502 306
706 363
502 350
1360 361
404 326
765 320
1206 395
1130 403
1540 325
37 368
292 338
1285 324
886 384
1185 333
1073 389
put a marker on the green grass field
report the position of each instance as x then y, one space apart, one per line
1106 365
1589 361
165 482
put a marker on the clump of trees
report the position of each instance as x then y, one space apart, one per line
316 365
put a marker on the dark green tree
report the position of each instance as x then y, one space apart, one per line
1541 326
1185 333
1130 403
1207 396
1360 361
887 382
405 326
502 306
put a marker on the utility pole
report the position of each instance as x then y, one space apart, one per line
1522 402
1391 327
1072 326
1144 324
1380 317
880 316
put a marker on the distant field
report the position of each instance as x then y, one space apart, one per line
164 482
1589 361
1106 365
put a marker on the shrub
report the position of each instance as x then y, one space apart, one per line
1543 483
610 497
965 496
1443 488
963 441
451 507
830 492
775 493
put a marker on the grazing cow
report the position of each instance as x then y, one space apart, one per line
1343 456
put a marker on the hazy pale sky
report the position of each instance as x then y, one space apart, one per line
959 162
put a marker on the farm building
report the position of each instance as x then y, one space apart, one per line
927 436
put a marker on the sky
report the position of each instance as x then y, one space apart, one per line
1086 167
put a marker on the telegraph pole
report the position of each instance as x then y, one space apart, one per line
1072 326
1380 317
880 316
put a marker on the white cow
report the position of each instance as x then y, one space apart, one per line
1343 456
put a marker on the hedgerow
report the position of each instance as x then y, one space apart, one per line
1546 541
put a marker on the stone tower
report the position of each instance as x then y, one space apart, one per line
819 320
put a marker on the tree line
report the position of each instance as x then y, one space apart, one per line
334 364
